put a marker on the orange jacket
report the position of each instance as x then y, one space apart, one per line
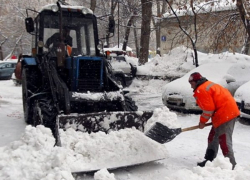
216 102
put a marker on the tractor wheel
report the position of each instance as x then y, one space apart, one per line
37 114
29 85
130 104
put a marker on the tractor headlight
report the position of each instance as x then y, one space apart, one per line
40 44
99 47
54 8
86 11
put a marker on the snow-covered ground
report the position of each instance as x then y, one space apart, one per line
27 153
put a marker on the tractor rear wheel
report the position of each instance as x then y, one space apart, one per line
29 85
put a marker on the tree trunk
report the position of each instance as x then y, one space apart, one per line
127 32
112 11
145 30
1 53
136 42
1 50
243 14
93 5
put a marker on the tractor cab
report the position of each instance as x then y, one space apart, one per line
48 31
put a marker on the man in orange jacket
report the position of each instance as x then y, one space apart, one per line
218 104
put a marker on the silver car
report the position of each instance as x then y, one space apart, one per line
123 70
178 94
6 69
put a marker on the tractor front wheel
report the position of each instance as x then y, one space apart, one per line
130 104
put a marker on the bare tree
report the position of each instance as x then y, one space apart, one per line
112 12
12 16
127 31
145 30
244 7
193 39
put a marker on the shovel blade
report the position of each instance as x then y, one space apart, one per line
162 134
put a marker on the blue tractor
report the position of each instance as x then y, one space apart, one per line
68 82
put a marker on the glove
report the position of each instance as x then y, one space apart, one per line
201 125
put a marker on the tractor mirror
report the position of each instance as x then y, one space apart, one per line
29 23
111 24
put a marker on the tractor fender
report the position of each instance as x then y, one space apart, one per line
18 69
23 61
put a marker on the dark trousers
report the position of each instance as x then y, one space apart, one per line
222 136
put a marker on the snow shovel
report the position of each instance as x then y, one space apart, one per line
163 134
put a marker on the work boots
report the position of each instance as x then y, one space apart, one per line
202 164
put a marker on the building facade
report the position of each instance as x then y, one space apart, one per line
213 32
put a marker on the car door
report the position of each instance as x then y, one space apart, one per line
2 70
7 70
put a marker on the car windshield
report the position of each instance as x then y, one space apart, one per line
80 28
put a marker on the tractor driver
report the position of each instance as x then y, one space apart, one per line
55 39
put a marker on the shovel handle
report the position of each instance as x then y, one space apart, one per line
194 127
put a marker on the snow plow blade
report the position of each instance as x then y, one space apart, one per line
105 121
119 140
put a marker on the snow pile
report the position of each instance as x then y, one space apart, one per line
103 174
163 116
220 168
180 60
80 151
152 86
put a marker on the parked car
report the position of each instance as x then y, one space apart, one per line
6 69
178 95
123 70
242 97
